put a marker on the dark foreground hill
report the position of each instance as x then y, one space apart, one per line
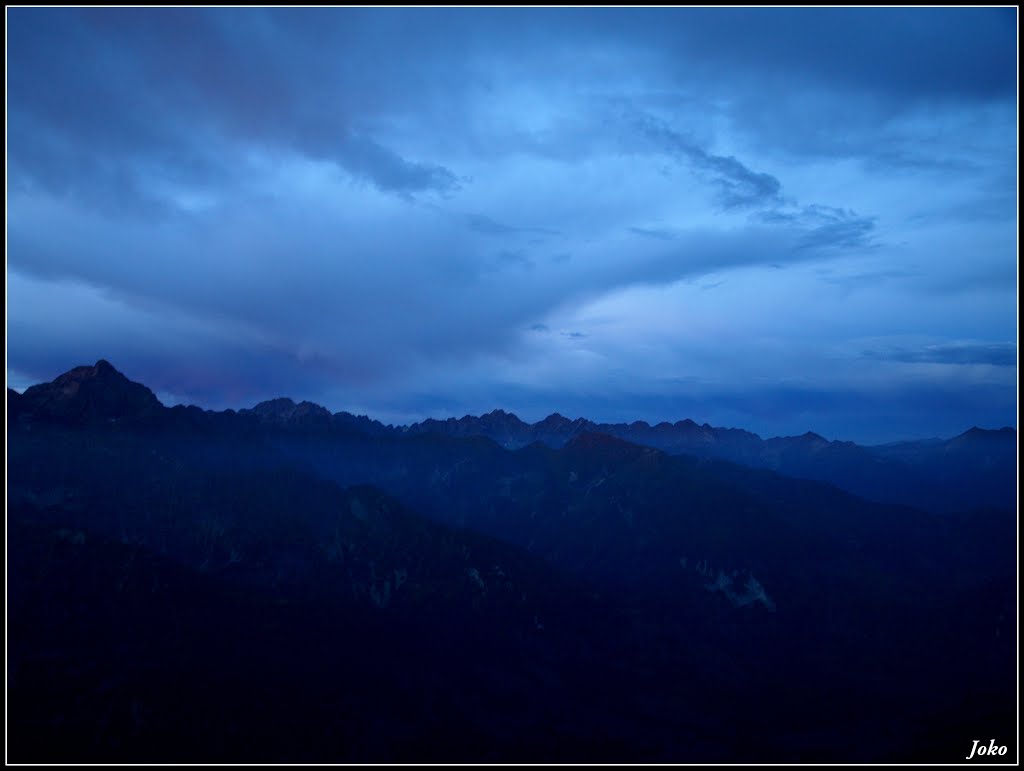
281 584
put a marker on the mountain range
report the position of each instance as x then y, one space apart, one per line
285 584
977 468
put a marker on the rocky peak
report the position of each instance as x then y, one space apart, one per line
500 416
983 434
284 412
86 393
555 420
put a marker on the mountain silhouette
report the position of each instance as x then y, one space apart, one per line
95 393
972 470
305 590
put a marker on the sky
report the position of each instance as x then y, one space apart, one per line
775 219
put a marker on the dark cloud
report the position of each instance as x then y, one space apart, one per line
660 234
852 233
484 224
105 96
365 158
994 354
934 53
872 279
513 259
737 185
354 205
825 226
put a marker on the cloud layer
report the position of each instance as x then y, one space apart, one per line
652 213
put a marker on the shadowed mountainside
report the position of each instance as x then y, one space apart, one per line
370 595
976 468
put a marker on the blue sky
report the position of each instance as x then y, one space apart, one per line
778 219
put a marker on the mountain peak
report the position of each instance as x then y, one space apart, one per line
974 432
284 411
102 369
500 413
89 393
273 406
502 417
555 420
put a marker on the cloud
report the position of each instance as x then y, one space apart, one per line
738 186
484 224
909 53
362 206
163 89
365 158
660 234
870 279
509 259
846 232
825 226
993 354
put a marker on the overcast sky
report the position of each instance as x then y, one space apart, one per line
782 220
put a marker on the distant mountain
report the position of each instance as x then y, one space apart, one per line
977 468
431 594
306 416
285 412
